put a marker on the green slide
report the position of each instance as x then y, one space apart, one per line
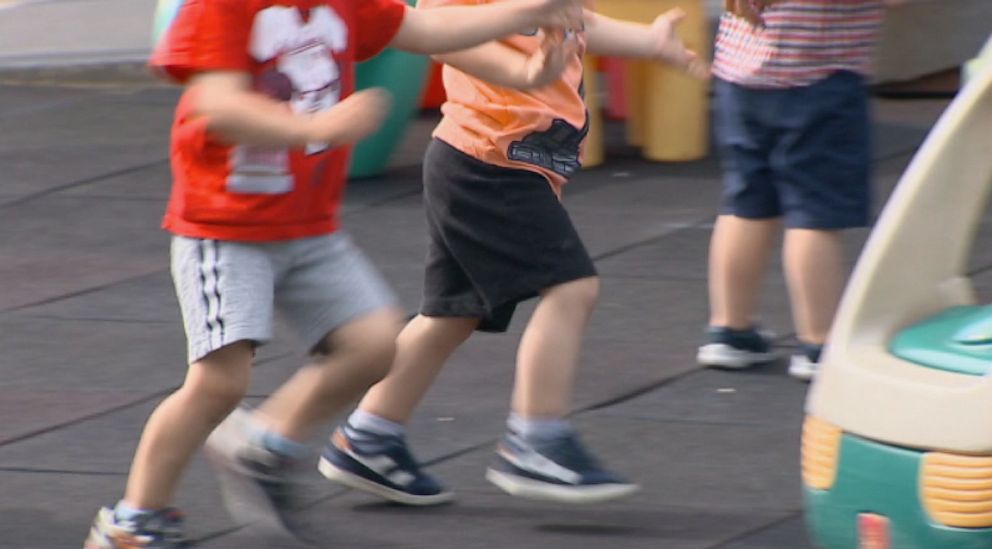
404 75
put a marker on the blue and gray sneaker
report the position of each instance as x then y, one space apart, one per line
381 465
158 530
258 486
734 349
558 469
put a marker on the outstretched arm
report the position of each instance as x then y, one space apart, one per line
452 28
657 41
504 66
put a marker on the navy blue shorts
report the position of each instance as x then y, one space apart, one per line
803 154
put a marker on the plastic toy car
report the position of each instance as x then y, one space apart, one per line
897 443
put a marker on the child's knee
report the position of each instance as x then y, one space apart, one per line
215 401
221 378
376 351
368 345
581 294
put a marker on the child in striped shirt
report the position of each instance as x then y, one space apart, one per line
793 125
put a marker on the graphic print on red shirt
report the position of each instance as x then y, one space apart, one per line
299 52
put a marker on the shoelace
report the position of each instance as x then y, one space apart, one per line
394 446
165 525
568 450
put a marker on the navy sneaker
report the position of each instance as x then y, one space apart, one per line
558 469
158 530
257 485
380 465
734 349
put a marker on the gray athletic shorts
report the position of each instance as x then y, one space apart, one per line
228 290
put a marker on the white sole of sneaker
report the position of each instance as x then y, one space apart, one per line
334 474
96 540
531 489
802 369
720 355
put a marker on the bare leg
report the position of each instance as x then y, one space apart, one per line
815 272
549 349
547 361
739 252
178 427
362 352
423 347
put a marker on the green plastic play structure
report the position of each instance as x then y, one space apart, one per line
402 74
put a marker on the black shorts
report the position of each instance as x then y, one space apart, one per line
498 236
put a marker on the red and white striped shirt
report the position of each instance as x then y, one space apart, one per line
801 42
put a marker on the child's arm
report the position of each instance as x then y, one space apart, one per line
239 115
656 42
504 66
453 28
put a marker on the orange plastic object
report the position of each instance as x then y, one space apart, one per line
820 452
957 489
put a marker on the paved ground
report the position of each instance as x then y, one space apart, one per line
92 340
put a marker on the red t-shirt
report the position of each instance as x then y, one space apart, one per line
301 52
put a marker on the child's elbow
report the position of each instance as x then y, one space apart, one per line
419 31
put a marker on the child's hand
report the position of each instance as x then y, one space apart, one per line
667 47
546 64
356 117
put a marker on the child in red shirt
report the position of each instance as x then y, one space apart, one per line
259 151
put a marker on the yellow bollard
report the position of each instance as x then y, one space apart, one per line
668 112
592 151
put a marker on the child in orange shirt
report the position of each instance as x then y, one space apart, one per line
499 235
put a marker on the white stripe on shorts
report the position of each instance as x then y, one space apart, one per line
209 255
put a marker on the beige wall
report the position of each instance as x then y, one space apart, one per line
924 36
927 36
